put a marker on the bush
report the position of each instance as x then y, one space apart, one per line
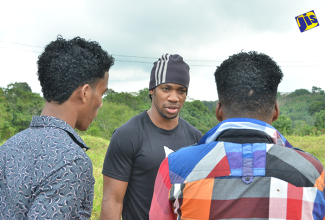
299 92
316 106
320 120
303 129
283 124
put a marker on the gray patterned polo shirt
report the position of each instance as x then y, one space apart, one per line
45 173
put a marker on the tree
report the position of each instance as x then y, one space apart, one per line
143 94
299 92
211 105
302 128
198 115
283 124
316 107
320 120
109 117
315 89
137 101
6 130
22 104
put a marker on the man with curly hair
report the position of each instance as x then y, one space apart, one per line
44 171
243 168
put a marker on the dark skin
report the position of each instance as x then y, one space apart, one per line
166 98
167 101
222 115
113 194
81 107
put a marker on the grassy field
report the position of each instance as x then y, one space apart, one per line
311 144
98 147
97 151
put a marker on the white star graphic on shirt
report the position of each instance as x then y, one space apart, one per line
167 151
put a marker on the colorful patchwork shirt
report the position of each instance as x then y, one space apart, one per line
241 169
45 173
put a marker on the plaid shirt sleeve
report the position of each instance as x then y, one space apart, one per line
161 206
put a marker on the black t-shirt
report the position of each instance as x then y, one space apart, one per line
134 155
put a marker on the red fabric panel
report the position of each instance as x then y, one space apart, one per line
161 207
294 202
221 169
240 208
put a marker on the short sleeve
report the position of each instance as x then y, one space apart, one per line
198 135
66 194
120 154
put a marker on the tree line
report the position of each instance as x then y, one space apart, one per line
120 107
17 106
301 112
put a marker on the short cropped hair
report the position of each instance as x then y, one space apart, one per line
66 65
247 84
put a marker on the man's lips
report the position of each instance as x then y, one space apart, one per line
172 109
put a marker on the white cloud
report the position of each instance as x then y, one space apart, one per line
197 30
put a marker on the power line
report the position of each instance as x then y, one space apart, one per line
156 58
303 66
21 49
112 54
280 66
20 44
131 61
133 56
148 57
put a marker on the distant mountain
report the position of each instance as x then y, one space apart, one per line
293 105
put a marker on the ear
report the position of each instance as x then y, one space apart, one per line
219 112
276 112
85 93
151 91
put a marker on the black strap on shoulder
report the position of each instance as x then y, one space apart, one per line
85 148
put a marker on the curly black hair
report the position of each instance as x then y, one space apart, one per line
66 65
247 84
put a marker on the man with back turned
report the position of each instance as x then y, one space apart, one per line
243 168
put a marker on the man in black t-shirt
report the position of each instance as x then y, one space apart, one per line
139 146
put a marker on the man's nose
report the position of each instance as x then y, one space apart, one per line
173 96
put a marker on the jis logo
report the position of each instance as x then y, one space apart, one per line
307 21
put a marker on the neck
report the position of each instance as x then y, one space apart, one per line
269 121
65 112
160 121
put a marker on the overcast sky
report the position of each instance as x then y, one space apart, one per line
203 32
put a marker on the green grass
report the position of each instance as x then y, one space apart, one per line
98 148
311 144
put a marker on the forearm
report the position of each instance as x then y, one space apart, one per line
111 209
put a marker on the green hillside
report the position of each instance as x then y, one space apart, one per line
302 112
297 106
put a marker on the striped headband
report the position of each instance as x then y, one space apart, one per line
170 68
